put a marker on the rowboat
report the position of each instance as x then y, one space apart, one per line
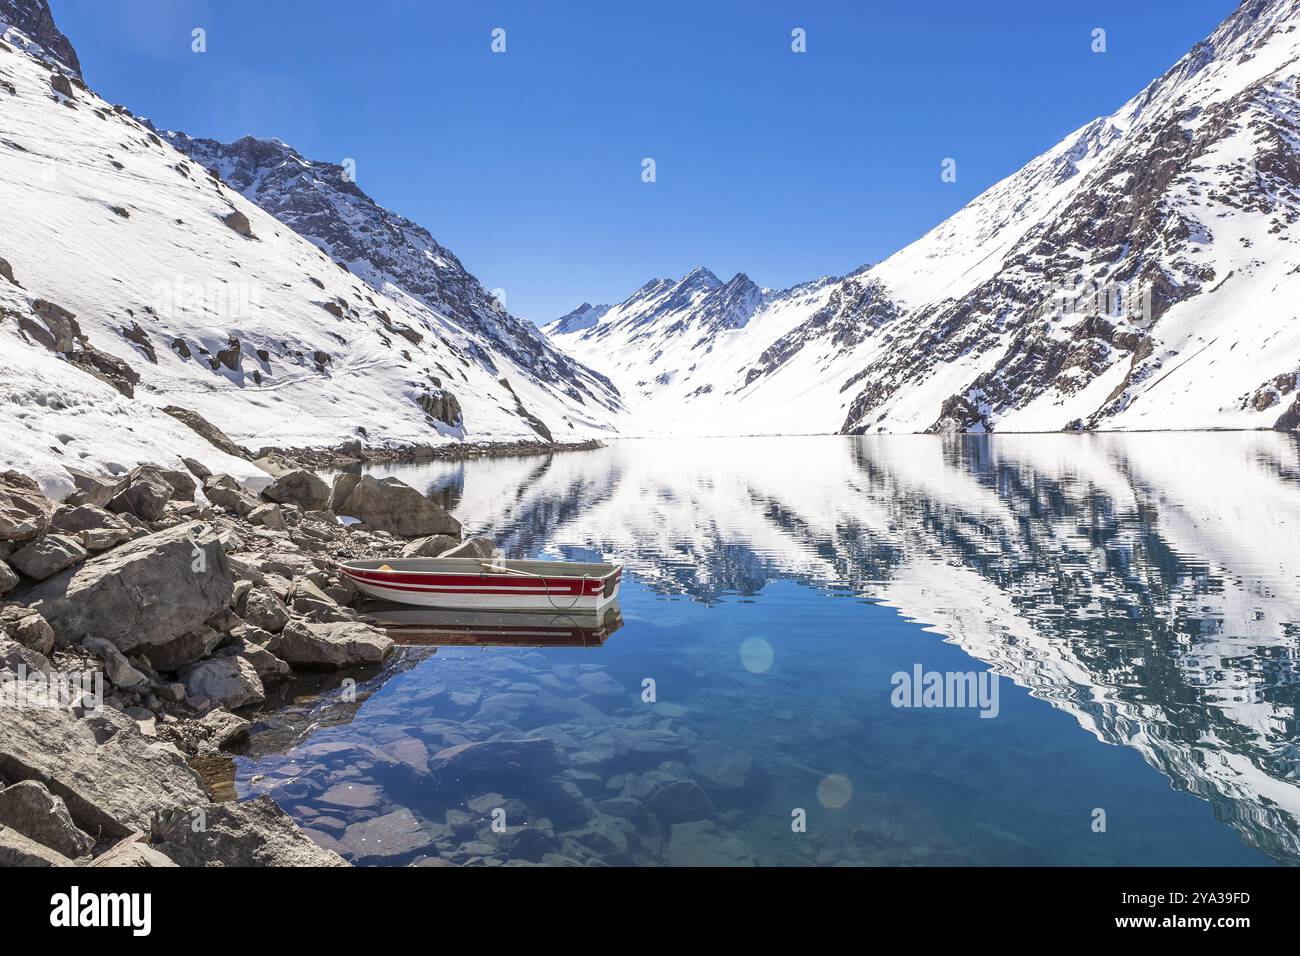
499 584
436 627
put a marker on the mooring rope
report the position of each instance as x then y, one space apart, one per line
501 569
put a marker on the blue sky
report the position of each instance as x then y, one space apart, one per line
527 164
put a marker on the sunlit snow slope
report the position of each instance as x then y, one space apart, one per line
141 281
1181 208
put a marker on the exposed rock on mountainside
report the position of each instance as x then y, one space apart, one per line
1141 274
323 202
36 23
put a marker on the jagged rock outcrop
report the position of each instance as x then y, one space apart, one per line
147 592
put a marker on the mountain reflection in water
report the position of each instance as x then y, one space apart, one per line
1147 586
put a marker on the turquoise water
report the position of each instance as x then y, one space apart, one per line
1132 600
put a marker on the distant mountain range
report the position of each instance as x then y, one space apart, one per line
1141 274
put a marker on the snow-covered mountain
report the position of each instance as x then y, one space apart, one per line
135 280
322 202
1141 274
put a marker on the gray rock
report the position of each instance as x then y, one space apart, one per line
8 579
628 808
225 492
600 684
24 511
133 852
270 669
111 777
237 221
353 796
184 487
344 483
27 627
206 429
430 547
186 649
268 516
480 547
17 850
96 529
145 593
391 838
119 670
309 599
15 657
531 755
702 844
274 464
144 492
91 489
330 646
226 681
222 728
253 833
730 778
301 488
682 801
392 505
47 556
263 609
197 469
38 814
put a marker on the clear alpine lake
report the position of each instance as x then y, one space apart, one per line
1124 611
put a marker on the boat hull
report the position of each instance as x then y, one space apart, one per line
466 585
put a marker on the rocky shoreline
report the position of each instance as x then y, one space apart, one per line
141 615
354 454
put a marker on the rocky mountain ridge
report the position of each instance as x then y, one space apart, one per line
1142 274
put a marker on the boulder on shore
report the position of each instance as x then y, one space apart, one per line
225 492
27 627
91 489
391 505
18 850
96 529
229 682
331 646
144 492
24 511
430 547
253 833
29 808
145 593
301 488
47 556
8 579
109 775
480 547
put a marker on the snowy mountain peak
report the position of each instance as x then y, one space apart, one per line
583 317
37 34
700 278
1140 274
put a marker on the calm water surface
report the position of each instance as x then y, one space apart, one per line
1135 600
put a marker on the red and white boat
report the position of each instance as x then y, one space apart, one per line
498 584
